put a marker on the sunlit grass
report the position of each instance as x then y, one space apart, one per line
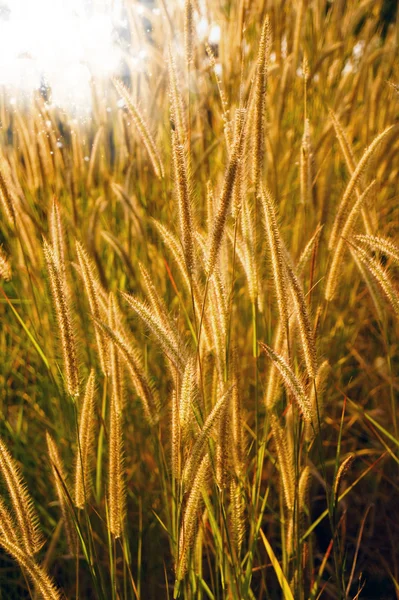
199 315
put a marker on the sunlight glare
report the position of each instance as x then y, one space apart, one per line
60 42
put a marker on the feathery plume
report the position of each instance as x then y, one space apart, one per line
157 303
343 469
63 314
168 342
172 243
240 185
380 274
143 387
316 398
218 318
379 244
184 202
188 396
57 237
249 250
340 246
276 254
38 575
222 95
273 380
197 451
22 504
223 448
236 419
116 483
189 522
116 480
114 318
305 328
176 438
6 196
5 266
285 462
350 163
260 101
375 291
291 382
188 31
308 250
142 127
8 527
176 103
303 491
303 487
353 182
85 447
224 204
210 206
237 503
87 270
343 142
57 468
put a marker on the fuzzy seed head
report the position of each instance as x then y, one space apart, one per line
5 266
85 445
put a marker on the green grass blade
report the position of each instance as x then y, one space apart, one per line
287 594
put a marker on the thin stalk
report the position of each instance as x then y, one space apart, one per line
127 562
140 548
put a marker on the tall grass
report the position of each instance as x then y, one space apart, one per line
199 316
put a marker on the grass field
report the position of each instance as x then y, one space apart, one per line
199 314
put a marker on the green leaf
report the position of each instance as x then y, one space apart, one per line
277 569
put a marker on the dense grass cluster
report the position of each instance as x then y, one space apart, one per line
199 307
